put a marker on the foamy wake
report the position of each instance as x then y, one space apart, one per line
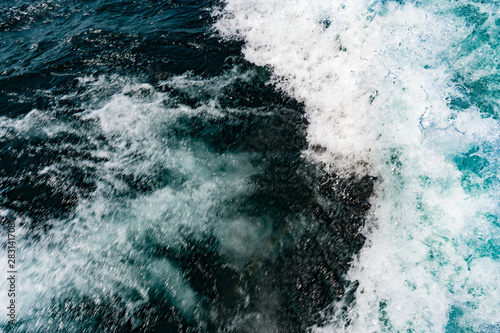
103 253
379 81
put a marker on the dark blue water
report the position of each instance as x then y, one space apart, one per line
156 178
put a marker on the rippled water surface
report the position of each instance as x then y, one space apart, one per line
251 166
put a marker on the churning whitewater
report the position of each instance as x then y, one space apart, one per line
250 166
406 92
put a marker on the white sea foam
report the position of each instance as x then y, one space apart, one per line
376 79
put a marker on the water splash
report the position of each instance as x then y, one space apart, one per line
383 84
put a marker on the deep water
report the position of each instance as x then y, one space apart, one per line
157 180
251 165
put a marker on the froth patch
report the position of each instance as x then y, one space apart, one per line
379 84
353 75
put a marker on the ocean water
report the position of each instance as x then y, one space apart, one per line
251 165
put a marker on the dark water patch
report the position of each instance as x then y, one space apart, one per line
155 39
40 194
114 107
303 274
16 16
292 279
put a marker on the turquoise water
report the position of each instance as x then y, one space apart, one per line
251 166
